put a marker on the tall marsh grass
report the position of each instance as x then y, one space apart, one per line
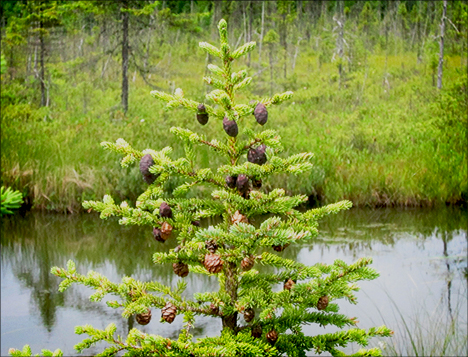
428 333
386 138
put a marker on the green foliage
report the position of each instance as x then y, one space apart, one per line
26 352
3 65
221 250
10 200
271 37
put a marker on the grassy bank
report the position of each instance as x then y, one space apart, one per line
430 333
385 136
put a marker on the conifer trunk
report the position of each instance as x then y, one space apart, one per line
418 35
231 286
249 29
261 35
441 47
216 17
284 43
299 15
28 62
340 40
42 70
125 57
11 64
271 68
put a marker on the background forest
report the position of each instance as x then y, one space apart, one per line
387 123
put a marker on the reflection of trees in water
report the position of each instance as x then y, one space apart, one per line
32 245
44 291
386 225
356 229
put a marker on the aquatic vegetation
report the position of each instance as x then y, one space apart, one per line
11 200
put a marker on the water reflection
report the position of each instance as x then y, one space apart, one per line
33 244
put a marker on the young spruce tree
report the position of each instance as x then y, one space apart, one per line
257 320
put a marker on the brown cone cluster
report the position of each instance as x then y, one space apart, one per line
239 218
166 230
214 309
247 263
249 314
272 337
144 319
211 245
288 284
169 312
213 263
145 163
162 234
165 210
231 181
322 302
157 235
202 115
256 183
261 114
257 331
230 127
181 269
258 155
280 248
242 183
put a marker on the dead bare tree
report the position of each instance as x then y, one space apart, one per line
441 46
260 42
340 42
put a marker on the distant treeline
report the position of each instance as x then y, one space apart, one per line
128 36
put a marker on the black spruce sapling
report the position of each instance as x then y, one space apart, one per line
232 251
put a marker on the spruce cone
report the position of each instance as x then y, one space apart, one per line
242 183
211 245
168 312
165 210
213 263
261 113
145 163
181 269
280 248
256 183
272 337
195 223
322 302
238 218
257 331
231 181
157 235
214 309
247 263
166 230
202 115
144 319
258 155
288 284
249 314
230 127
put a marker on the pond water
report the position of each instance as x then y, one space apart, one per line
421 292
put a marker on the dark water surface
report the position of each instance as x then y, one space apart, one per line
420 254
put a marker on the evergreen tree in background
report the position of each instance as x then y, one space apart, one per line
257 318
